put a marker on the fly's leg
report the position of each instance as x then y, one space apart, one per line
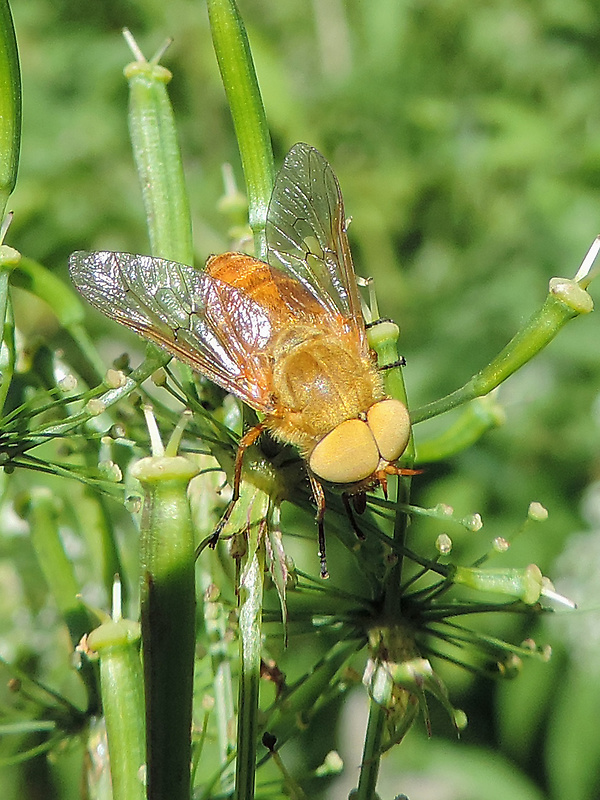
400 362
350 513
392 469
319 496
246 441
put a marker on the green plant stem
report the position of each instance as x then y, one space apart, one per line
369 771
241 86
565 301
168 622
243 94
7 338
116 642
3 296
9 259
251 597
10 106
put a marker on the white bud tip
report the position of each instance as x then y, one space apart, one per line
115 378
156 444
500 544
473 522
537 512
443 544
95 407
68 383
443 510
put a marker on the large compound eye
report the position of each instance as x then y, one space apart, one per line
390 425
347 454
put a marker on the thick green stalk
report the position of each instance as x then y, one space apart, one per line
565 301
10 106
116 643
243 94
10 143
168 606
158 160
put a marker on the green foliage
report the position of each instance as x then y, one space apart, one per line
465 138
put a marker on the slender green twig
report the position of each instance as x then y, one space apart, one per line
251 597
565 301
369 770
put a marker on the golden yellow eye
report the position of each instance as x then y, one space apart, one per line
347 454
390 425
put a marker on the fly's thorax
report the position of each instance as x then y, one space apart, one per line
356 448
319 382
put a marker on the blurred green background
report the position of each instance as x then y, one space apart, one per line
466 138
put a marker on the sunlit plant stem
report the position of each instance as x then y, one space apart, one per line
168 621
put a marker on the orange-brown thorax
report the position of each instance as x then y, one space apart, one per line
319 381
330 403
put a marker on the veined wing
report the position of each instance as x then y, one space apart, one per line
306 234
215 328
284 299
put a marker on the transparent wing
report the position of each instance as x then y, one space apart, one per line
306 234
206 323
